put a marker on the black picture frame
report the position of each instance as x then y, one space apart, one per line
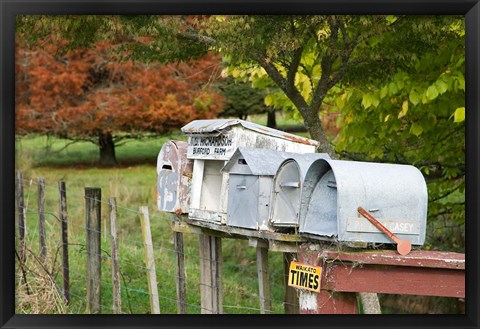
10 8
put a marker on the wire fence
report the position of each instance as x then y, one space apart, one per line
238 296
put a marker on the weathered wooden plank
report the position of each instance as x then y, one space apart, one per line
394 280
211 298
41 219
93 198
21 217
433 259
116 292
327 302
206 302
237 232
291 305
63 215
149 261
263 280
217 291
180 272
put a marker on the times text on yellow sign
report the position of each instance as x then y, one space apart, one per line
304 276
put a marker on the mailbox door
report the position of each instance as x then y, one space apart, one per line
211 186
167 184
287 192
243 201
167 177
321 216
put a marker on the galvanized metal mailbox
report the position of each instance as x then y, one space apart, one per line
211 143
334 190
174 175
287 191
251 172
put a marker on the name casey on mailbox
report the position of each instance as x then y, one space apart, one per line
304 276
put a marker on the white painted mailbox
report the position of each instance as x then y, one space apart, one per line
396 195
251 172
174 175
213 142
288 187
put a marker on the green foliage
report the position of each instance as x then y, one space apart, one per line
415 114
241 99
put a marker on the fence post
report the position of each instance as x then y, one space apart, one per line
41 219
149 261
263 279
21 217
117 299
64 228
291 305
180 271
93 197
211 274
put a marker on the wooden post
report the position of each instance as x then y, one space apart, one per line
93 197
150 261
117 299
64 229
21 217
180 271
263 279
291 305
41 219
211 274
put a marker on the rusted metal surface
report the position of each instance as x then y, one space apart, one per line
218 139
403 246
174 174
218 125
396 194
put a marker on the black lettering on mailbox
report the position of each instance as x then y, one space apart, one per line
304 276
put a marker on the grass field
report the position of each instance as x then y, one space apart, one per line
133 185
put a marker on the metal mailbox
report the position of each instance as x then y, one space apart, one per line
287 191
396 195
251 172
174 175
213 142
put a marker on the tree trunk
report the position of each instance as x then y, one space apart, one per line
271 119
107 149
314 127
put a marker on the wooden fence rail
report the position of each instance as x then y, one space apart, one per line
435 274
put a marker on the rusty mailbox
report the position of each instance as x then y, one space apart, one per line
251 172
174 175
334 190
287 191
213 142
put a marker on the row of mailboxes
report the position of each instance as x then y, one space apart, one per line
253 202
269 189
211 143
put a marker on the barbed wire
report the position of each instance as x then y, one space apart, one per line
122 240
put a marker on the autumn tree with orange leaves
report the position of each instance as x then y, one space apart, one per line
87 94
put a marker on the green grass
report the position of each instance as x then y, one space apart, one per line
133 185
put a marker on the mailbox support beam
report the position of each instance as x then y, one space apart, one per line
263 275
211 274
427 273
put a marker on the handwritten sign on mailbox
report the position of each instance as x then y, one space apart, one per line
208 147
